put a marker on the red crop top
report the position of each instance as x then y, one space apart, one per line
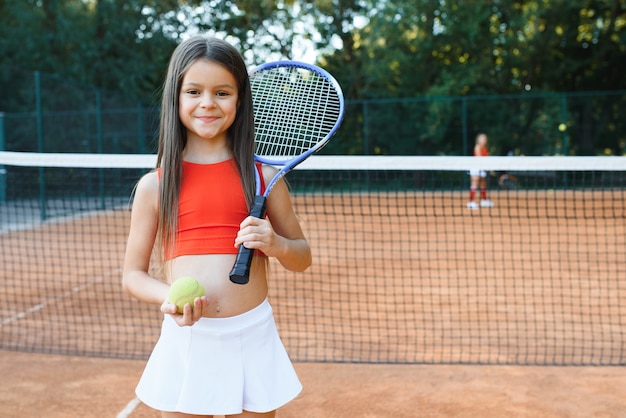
480 151
211 205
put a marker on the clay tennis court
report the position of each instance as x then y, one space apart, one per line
407 312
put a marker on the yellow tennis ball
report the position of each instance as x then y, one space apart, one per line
185 290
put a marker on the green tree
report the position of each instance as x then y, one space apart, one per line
111 44
434 63
454 48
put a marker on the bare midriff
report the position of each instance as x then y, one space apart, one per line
212 270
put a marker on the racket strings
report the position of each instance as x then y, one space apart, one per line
294 109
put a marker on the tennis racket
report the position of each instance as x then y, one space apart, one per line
297 108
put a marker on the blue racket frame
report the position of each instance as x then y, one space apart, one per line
241 269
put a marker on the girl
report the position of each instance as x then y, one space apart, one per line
221 356
478 178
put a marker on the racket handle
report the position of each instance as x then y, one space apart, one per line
240 274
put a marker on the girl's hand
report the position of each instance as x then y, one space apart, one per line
190 315
258 234
280 235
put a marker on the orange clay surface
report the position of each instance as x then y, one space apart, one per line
547 292
54 386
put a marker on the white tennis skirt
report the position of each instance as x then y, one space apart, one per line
220 366
481 173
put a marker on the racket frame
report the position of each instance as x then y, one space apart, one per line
241 269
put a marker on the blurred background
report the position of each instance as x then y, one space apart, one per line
421 77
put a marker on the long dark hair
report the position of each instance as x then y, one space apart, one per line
173 135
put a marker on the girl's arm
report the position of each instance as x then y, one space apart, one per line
135 278
143 228
280 235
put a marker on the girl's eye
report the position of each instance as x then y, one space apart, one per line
222 93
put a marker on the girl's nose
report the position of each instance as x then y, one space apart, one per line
207 100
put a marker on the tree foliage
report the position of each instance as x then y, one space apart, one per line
113 45
455 48
454 52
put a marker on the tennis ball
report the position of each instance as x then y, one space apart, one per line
184 290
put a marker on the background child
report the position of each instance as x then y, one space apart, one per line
221 356
478 178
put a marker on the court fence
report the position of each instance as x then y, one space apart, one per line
44 113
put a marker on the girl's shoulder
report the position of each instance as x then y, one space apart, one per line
149 182
151 177
268 171
146 193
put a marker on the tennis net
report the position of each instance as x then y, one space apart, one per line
403 271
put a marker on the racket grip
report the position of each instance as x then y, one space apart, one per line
240 274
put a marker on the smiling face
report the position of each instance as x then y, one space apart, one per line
208 101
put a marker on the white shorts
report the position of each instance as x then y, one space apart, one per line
220 366
480 173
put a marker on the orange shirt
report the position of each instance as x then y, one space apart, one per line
480 151
211 205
